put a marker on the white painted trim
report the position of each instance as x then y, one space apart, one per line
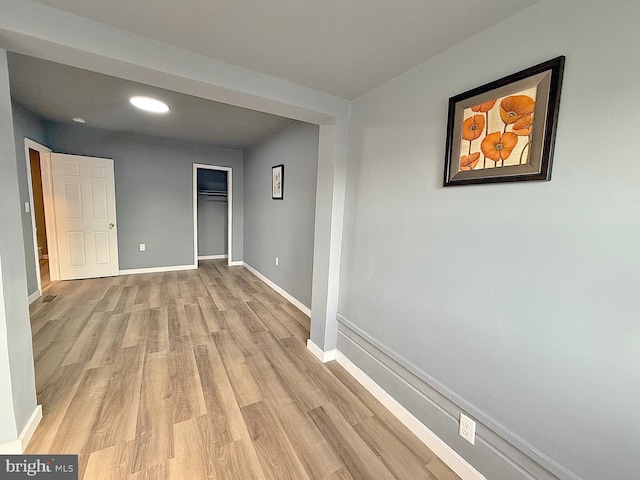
30 428
172 268
296 303
321 355
30 144
19 445
12 447
35 296
449 456
237 263
229 171
212 257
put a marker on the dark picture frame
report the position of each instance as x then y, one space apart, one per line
277 182
505 131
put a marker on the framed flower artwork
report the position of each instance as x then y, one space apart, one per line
277 182
504 131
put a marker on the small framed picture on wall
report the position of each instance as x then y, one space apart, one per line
277 182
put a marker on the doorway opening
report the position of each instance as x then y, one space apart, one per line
38 168
212 213
42 254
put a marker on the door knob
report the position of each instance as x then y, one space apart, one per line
111 225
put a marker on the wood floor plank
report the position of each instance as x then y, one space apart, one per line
198 327
277 457
359 460
110 300
110 341
342 474
108 464
55 398
273 324
237 461
253 322
385 416
317 458
349 405
88 340
214 402
187 400
157 330
441 471
222 297
115 422
244 339
244 384
126 300
136 328
154 430
305 394
195 441
178 321
210 313
295 320
395 455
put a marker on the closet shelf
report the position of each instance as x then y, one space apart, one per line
213 193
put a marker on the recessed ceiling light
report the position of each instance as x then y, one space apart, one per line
79 120
149 104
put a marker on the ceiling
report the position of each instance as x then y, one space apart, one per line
59 92
341 47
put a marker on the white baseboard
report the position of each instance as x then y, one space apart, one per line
19 445
14 447
30 428
212 257
458 464
237 263
35 296
172 268
320 354
297 303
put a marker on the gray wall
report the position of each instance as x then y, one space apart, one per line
283 228
154 190
212 225
27 124
17 380
517 303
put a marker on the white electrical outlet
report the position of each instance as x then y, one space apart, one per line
143 247
26 207
277 261
467 429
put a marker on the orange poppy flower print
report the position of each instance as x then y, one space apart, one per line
469 162
484 107
472 127
523 127
515 107
498 147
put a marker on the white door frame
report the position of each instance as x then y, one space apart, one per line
229 171
49 217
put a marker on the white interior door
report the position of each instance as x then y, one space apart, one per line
85 216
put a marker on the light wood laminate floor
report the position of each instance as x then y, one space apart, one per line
204 374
